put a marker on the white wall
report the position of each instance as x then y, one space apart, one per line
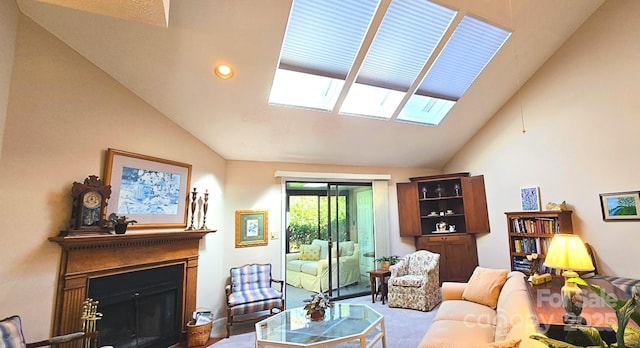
8 29
62 115
581 118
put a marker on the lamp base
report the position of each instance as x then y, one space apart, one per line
574 319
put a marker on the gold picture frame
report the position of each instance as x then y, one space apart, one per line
251 228
153 191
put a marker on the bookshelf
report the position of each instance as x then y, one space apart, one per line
531 232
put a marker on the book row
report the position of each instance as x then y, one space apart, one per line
535 225
531 245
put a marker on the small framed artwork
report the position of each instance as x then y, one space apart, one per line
530 198
251 228
153 191
620 206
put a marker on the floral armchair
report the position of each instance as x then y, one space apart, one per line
415 281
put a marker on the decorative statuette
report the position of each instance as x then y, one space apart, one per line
204 210
193 209
456 189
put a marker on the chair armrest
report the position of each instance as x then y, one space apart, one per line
227 289
64 338
281 282
452 290
292 256
398 269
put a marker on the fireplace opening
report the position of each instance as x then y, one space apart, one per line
140 308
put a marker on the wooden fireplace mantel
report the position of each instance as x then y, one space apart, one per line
87 257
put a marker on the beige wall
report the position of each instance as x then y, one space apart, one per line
62 116
581 118
8 27
63 113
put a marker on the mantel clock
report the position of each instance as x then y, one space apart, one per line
89 203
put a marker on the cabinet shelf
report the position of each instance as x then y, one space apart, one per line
441 216
439 198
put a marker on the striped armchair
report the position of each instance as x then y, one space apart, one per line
415 281
249 291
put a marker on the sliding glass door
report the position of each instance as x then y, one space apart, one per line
337 217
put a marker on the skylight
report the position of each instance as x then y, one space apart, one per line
405 60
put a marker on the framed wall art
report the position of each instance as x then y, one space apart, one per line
620 206
251 228
153 191
530 198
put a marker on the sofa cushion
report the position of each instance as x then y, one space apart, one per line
484 286
346 248
505 344
309 252
409 280
465 311
457 334
11 332
310 267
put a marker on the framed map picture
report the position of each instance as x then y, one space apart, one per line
251 228
530 198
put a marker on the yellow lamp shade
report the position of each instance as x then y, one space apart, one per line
567 251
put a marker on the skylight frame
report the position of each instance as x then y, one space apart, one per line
435 99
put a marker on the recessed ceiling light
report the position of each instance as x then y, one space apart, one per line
224 71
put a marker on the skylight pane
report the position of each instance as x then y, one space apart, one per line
469 50
406 38
323 37
425 110
371 101
304 90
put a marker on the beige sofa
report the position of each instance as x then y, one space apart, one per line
313 275
465 324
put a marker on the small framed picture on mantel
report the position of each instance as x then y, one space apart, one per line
530 198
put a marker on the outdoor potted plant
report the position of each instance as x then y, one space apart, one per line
119 223
316 307
386 261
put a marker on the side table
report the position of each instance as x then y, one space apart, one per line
381 289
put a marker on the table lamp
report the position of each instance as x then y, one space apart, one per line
567 252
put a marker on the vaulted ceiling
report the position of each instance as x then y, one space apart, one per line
165 51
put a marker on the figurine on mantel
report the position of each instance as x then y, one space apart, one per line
201 206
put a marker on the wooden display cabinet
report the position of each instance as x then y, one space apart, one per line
531 232
424 202
456 199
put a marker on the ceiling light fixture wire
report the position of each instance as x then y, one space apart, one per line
515 63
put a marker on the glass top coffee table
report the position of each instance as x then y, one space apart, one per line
344 322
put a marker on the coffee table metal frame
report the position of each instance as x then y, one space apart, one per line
344 322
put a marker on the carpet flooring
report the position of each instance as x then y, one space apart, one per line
404 327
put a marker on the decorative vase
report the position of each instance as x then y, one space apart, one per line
120 228
317 315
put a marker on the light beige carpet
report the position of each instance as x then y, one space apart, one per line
404 327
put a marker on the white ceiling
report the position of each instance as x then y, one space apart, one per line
171 68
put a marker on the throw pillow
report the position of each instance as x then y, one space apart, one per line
505 344
309 252
11 333
346 248
484 286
